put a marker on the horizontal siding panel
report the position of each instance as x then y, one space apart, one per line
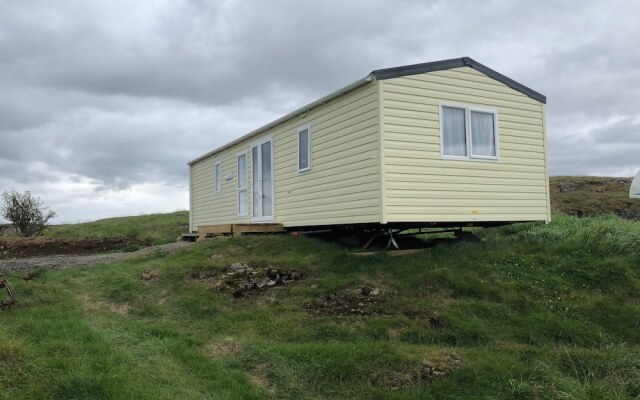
418 123
315 208
480 82
406 106
354 176
449 95
417 137
438 165
444 194
434 99
470 75
431 84
337 216
470 211
472 173
431 115
346 193
463 179
463 203
458 217
506 156
469 188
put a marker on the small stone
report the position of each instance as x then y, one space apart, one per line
147 275
239 267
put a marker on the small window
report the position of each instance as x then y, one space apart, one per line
454 136
468 133
483 137
243 205
218 177
304 148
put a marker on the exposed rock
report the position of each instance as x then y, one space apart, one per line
148 275
349 302
242 279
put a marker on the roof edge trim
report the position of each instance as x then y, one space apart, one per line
397 72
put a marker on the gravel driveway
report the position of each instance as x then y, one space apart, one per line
60 262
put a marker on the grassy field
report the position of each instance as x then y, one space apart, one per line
590 196
152 228
531 312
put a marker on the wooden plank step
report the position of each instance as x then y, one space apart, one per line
239 229
215 229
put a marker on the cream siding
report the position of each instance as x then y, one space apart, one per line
342 187
421 186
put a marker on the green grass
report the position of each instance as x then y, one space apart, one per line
153 228
592 196
534 312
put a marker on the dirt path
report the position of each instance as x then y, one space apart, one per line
60 262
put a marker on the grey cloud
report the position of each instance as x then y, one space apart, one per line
613 149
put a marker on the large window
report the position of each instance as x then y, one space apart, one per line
304 148
218 177
243 206
468 133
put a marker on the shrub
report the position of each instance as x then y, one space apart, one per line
26 212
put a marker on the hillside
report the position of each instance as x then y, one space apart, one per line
150 228
531 312
589 196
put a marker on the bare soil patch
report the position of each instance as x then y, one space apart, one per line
365 300
243 280
92 304
431 368
222 348
258 377
42 246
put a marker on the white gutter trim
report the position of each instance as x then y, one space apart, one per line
289 116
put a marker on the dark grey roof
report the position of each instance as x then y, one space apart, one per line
396 72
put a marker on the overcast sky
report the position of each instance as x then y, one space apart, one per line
102 103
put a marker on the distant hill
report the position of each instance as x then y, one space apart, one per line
588 196
152 228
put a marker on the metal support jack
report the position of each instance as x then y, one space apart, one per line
392 241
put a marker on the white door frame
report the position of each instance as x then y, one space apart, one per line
258 144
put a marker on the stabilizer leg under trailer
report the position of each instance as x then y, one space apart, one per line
390 235
392 241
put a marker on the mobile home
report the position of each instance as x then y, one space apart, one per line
445 143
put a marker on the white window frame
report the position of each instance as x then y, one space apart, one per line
243 188
257 143
300 129
469 137
217 176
